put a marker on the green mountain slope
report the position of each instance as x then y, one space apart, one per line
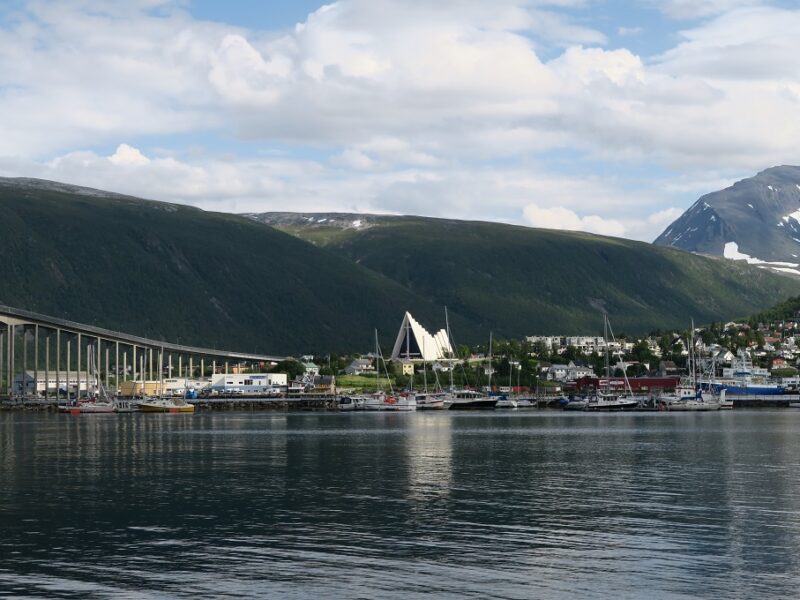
181 274
519 280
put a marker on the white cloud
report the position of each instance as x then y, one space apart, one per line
694 9
558 217
435 107
127 155
627 31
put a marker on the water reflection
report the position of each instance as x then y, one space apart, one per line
513 505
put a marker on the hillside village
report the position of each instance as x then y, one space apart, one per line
549 361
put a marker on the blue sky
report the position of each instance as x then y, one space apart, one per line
607 116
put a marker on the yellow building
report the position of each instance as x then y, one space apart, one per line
134 388
408 367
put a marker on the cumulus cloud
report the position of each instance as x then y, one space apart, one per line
558 217
128 155
695 9
442 108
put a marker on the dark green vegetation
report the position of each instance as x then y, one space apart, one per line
181 274
788 310
518 280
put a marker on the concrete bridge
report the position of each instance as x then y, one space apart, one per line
64 351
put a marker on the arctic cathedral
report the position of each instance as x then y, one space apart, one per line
416 344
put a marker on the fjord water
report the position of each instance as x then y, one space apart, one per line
326 505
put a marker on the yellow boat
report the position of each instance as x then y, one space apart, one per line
164 405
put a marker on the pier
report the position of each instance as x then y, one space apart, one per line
67 356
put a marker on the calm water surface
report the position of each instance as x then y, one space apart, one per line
326 505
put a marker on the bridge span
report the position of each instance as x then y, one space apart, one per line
67 353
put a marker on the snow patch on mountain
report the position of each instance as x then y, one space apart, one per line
731 251
795 215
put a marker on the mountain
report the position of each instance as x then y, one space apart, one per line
518 280
181 274
756 220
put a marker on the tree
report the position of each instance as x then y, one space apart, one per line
292 368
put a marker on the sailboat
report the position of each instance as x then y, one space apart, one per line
608 400
382 401
690 397
464 399
427 400
161 404
100 403
503 401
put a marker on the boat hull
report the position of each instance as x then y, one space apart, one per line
477 404
611 406
693 405
164 408
88 408
749 390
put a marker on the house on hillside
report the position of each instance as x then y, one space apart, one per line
310 369
667 368
360 366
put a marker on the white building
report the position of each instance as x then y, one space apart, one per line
570 372
415 343
251 383
52 381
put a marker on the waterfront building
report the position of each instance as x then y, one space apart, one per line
27 384
250 383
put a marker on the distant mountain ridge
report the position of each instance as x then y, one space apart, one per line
755 220
182 274
514 279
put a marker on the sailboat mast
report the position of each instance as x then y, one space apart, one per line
490 362
692 358
450 341
424 367
377 363
605 337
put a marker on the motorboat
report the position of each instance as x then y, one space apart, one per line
506 402
166 405
469 400
426 401
390 402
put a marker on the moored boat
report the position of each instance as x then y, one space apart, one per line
88 407
166 405
506 402
426 401
389 402
469 400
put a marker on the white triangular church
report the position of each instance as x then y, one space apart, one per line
415 343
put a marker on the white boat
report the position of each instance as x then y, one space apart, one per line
389 402
101 402
506 402
380 400
689 397
526 403
693 404
88 407
607 400
426 401
351 403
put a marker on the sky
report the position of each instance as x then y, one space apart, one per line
606 116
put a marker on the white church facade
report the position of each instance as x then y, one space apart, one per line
414 343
